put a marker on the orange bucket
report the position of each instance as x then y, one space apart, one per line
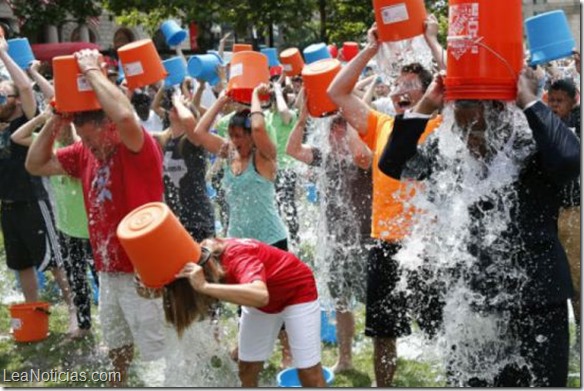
248 70
30 321
73 93
292 62
242 47
317 78
156 243
141 63
485 49
399 19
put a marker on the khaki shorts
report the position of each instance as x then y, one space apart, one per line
128 319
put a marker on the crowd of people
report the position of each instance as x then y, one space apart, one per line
174 145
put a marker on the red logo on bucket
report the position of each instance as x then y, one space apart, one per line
463 30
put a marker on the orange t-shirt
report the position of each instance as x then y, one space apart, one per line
389 219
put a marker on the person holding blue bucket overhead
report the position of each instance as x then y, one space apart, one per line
20 51
315 52
549 37
176 69
173 34
204 67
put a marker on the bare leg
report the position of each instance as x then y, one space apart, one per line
121 360
29 284
61 279
312 377
286 352
345 333
249 373
385 360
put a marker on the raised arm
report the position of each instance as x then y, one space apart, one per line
294 147
21 81
340 91
283 109
157 103
202 133
23 135
45 86
431 36
40 159
114 102
261 139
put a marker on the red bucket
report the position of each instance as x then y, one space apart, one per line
485 49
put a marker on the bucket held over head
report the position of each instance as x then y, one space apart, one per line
485 49
172 32
350 50
156 243
317 78
292 62
272 55
248 70
399 19
73 93
315 52
204 67
20 51
177 70
29 321
141 63
242 47
549 37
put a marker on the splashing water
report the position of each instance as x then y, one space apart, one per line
392 56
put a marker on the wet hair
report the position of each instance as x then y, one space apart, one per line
241 119
83 117
566 85
417 68
182 304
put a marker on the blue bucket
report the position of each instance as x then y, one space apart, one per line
328 327
315 52
173 34
289 377
176 69
20 51
272 55
204 67
549 37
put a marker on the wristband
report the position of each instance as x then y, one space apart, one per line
257 112
90 69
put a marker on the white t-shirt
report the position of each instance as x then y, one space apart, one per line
153 123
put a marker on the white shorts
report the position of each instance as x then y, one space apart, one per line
128 319
258 332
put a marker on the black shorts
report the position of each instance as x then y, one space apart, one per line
29 235
389 311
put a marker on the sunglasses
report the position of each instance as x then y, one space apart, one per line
4 98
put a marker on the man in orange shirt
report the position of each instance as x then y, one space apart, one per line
386 307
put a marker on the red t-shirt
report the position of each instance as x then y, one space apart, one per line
111 190
289 280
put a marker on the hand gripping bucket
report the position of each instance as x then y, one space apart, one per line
272 55
172 32
20 51
141 63
29 321
289 377
156 243
317 78
399 19
292 62
549 37
315 52
73 93
485 49
177 70
242 47
350 50
204 67
248 70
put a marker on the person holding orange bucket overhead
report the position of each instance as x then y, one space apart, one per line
120 167
386 316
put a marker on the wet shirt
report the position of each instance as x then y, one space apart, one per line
185 190
16 184
111 189
289 280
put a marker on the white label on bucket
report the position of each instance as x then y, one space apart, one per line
133 68
236 70
463 30
83 84
288 67
394 13
15 324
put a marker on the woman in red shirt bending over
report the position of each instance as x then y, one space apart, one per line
271 285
